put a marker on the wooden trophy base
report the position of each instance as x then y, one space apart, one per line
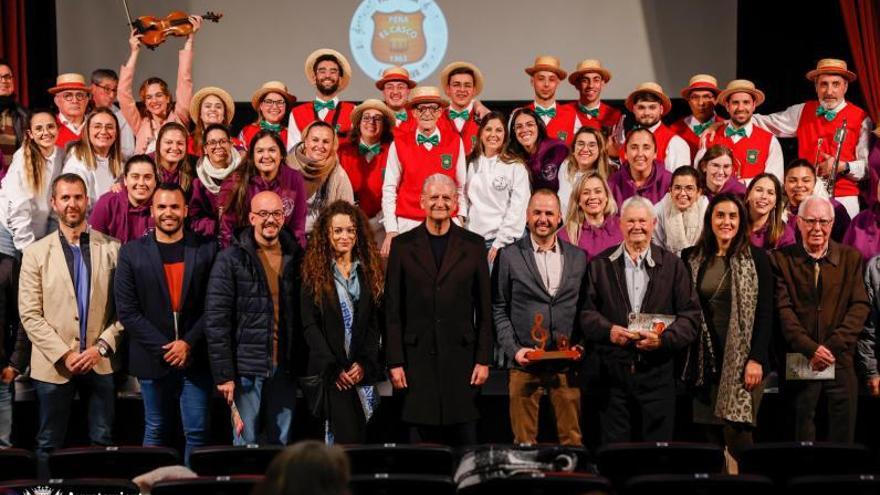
540 355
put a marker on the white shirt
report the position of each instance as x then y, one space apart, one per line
497 197
98 181
785 124
126 134
678 153
76 129
394 171
25 215
460 122
566 186
577 121
775 163
294 135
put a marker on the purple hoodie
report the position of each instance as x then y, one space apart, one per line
624 187
594 240
732 186
544 165
761 238
115 216
203 209
864 232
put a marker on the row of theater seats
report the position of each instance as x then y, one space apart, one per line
641 468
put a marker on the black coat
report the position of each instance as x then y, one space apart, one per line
439 324
144 306
239 312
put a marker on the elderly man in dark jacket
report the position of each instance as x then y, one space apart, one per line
637 367
250 321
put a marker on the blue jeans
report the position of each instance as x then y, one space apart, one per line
266 406
55 400
7 394
162 396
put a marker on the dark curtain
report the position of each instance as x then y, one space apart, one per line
863 34
13 44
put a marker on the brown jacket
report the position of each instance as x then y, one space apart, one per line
832 314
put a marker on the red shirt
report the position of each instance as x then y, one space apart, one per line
751 152
686 132
366 177
417 163
811 127
608 116
305 114
561 126
468 132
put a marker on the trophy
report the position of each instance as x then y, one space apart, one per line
540 335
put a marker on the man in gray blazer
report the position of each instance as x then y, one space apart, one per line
540 275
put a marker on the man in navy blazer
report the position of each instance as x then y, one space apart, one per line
161 281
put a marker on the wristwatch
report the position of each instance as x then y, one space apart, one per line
846 169
103 348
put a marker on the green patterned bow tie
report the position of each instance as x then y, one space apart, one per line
266 126
701 128
828 114
322 105
401 116
433 140
464 114
730 132
545 112
366 148
592 112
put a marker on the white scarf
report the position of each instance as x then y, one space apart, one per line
211 177
682 227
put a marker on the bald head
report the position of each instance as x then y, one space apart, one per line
266 200
267 217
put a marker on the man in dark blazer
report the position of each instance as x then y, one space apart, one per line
540 274
439 326
160 291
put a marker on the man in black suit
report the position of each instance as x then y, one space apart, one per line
160 283
439 326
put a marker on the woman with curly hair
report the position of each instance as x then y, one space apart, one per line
342 285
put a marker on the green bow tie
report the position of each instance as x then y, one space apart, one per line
545 112
433 140
592 112
401 116
266 126
464 114
730 132
321 105
701 128
828 114
366 148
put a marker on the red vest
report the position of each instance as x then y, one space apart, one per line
468 133
686 132
304 115
249 131
662 135
65 135
417 163
607 119
751 152
811 127
366 177
560 127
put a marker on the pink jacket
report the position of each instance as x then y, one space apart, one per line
144 132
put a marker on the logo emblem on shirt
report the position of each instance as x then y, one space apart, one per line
752 156
409 33
562 135
474 140
501 183
549 171
446 161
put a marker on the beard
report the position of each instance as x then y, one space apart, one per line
171 231
327 90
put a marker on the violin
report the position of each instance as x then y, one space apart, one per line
156 30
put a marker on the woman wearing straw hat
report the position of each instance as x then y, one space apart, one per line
210 105
271 102
701 93
329 72
561 120
649 103
364 157
590 78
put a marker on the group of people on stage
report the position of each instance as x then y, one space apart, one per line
423 237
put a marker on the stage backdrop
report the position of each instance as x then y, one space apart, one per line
259 40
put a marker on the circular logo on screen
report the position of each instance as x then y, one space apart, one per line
409 33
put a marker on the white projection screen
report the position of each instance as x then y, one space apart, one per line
259 40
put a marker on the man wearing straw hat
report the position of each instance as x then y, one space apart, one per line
271 102
700 93
756 150
821 119
561 120
590 78
649 103
416 154
395 85
330 73
462 82
71 97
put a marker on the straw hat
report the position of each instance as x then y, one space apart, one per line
196 104
478 76
372 104
343 63
69 82
831 66
654 89
587 66
548 63
271 87
395 73
426 94
741 86
703 82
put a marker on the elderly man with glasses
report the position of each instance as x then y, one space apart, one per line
72 99
105 88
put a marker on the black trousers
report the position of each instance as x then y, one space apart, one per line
454 435
840 397
648 390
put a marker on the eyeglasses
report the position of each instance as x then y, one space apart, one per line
273 103
428 108
216 142
78 96
687 189
5 77
528 125
821 222
376 119
107 89
277 214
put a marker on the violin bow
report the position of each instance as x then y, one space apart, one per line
128 14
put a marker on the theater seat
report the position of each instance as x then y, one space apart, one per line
786 460
208 485
228 460
621 461
120 462
17 464
393 458
63 486
541 484
851 484
401 484
702 484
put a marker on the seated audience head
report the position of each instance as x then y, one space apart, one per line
307 468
